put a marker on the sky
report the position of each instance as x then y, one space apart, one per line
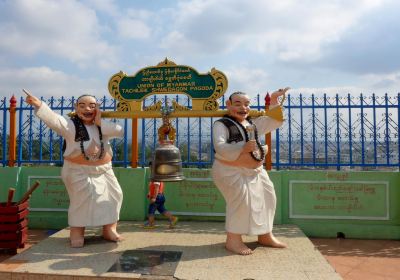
70 47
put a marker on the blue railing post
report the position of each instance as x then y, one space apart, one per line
60 139
154 127
301 131
188 135
387 136
398 129
199 147
374 126
313 127
338 137
4 132
289 131
326 130
51 132
20 136
350 130
362 130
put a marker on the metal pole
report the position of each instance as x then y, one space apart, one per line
268 160
13 141
135 153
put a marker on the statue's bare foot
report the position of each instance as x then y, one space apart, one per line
238 247
77 242
77 237
111 234
271 241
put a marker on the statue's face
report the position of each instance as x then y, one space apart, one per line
239 106
85 108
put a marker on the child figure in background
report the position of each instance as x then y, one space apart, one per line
157 200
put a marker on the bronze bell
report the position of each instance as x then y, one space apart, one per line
167 163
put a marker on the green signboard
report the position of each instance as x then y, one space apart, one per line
361 200
195 196
51 194
167 79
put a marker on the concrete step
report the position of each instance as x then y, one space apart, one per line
143 254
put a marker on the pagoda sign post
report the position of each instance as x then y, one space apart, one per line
169 78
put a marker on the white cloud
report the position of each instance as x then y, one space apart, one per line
176 40
329 91
109 7
379 85
384 83
290 30
46 82
370 47
131 28
316 46
249 80
65 29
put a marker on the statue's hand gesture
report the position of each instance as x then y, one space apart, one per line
97 118
32 100
276 94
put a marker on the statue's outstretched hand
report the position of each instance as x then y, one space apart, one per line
32 100
276 94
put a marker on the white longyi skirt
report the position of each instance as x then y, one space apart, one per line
250 198
94 193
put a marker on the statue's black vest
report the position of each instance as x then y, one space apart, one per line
81 133
234 132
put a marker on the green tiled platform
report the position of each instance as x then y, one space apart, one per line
203 255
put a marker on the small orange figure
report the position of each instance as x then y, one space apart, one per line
157 200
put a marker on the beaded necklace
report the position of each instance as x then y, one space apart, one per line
82 135
94 157
246 135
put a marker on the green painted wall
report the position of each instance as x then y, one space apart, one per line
321 203
195 197
133 184
49 202
356 204
8 179
277 180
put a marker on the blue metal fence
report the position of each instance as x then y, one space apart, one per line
320 131
3 131
340 131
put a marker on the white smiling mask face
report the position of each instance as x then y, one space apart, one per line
85 108
238 106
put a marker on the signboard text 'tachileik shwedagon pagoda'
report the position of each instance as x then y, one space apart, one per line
169 78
